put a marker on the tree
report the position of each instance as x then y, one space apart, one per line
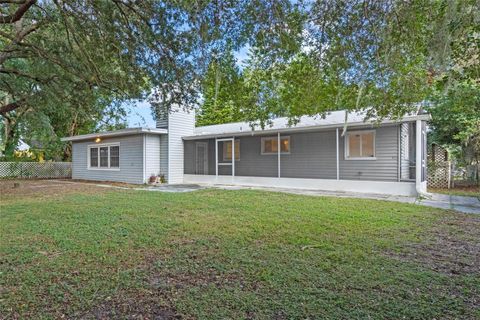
69 53
222 90
455 103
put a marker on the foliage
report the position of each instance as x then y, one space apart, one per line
455 102
65 63
384 57
222 90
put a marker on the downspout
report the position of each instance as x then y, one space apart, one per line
144 159
337 156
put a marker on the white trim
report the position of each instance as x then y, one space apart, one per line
338 153
121 132
347 142
232 163
233 156
145 158
361 186
102 145
278 151
216 157
262 145
399 153
421 187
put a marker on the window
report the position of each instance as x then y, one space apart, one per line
360 145
105 156
114 156
93 157
270 145
227 150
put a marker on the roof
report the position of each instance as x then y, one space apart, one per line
121 132
332 119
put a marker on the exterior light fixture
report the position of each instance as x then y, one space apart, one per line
97 140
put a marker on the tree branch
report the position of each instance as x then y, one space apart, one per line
11 106
11 18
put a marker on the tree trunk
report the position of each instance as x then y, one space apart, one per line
9 137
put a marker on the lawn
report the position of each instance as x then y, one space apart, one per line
216 254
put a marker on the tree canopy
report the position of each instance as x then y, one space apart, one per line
66 66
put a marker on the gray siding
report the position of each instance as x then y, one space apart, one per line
252 162
152 155
384 168
312 155
131 161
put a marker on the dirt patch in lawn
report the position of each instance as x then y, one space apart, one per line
138 304
44 188
452 246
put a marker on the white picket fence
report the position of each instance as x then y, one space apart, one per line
35 170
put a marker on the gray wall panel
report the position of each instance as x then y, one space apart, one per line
384 168
312 155
131 161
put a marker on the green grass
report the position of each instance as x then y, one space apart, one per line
216 254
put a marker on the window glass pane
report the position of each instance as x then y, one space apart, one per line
354 145
267 146
270 145
285 144
93 157
104 157
367 145
114 156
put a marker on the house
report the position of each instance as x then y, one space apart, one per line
387 157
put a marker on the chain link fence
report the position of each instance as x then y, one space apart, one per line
35 170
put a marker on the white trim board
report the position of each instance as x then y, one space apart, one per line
360 186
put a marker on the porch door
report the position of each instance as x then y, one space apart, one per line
201 158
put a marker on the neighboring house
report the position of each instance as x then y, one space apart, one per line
386 157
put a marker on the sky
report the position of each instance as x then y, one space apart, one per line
140 114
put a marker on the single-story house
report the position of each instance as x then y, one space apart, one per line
387 157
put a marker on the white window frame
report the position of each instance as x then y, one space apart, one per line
347 141
262 145
224 153
100 145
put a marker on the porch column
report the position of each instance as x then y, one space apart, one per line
418 156
278 153
338 156
216 157
233 157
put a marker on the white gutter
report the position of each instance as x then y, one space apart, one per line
121 132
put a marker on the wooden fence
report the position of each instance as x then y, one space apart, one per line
35 170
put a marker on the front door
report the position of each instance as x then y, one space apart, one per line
201 159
